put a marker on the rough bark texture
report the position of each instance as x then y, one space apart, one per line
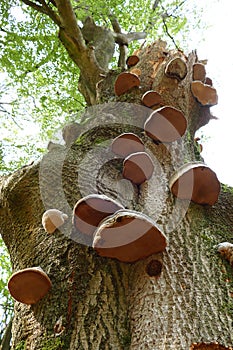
105 304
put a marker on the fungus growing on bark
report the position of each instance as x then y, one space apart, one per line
197 182
154 268
127 143
125 82
138 167
29 285
166 124
132 61
136 71
226 250
205 94
176 68
53 219
209 346
199 72
151 99
91 210
128 236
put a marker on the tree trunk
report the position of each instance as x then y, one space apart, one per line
101 303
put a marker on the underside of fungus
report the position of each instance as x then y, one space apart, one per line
125 82
205 94
138 167
29 285
91 210
196 182
126 144
166 124
128 236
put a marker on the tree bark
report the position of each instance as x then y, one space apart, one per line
101 303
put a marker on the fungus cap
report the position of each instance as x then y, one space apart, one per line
138 167
151 99
89 211
199 72
132 60
127 143
205 94
128 236
29 285
197 182
125 82
53 219
166 124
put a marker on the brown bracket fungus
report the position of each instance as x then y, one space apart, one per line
138 167
199 72
205 94
128 236
91 210
29 285
125 82
127 143
176 68
199 145
151 99
197 182
52 219
166 124
132 61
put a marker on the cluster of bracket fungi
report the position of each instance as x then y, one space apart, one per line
114 231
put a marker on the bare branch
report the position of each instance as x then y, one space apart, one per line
169 35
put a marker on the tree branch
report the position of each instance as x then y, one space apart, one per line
69 22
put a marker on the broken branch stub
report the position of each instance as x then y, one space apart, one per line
128 236
205 94
176 68
166 124
195 181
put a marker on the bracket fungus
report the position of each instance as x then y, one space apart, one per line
166 124
125 82
127 143
91 210
197 182
29 285
151 99
205 94
52 219
138 167
128 236
199 72
132 61
176 68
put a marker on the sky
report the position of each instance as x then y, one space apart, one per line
216 47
